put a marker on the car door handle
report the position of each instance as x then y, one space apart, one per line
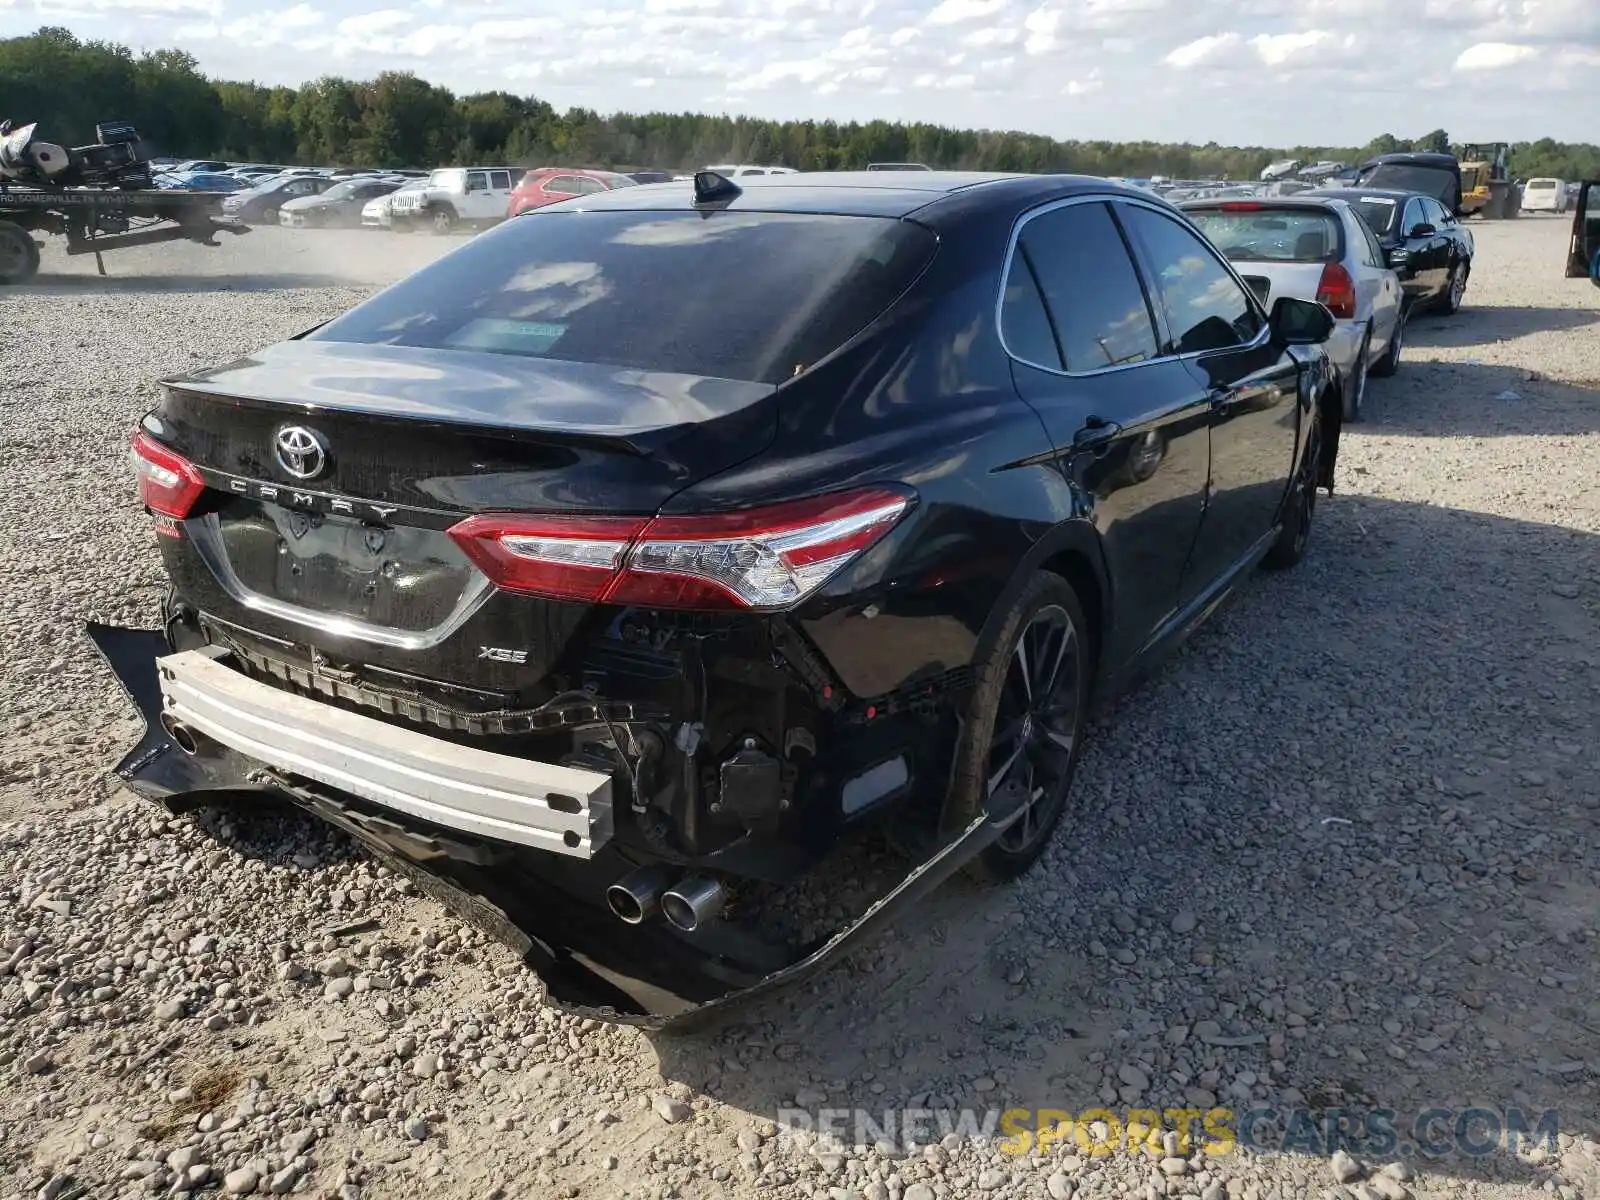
1097 433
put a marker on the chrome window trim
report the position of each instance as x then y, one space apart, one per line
205 534
1133 259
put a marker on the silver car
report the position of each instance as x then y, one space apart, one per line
1319 249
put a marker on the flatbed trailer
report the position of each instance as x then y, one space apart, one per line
95 220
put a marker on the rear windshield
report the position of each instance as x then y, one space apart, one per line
748 296
1541 185
1272 234
1379 212
1398 177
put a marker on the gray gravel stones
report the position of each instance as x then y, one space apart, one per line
1345 1168
1324 866
671 1111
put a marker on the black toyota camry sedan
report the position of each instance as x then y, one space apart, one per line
614 567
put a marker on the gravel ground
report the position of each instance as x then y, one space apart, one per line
1343 850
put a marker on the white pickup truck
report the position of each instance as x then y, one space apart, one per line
455 196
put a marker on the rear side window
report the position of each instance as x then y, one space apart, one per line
1286 234
1369 239
1088 287
1024 321
737 295
1207 309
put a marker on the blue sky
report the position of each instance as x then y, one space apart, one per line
1269 72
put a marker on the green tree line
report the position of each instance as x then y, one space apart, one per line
399 120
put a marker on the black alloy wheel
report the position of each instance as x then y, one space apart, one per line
1037 724
1024 731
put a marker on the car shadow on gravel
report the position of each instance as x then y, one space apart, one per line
46 285
1451 398
1339 856
1482 326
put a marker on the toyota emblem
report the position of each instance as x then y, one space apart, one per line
301 452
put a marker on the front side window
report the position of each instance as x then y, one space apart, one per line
1206 307
608 288
1089 288
477 181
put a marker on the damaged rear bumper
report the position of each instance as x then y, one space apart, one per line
549 907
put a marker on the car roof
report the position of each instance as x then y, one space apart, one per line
1311 199
1413 158
1351 193
863 193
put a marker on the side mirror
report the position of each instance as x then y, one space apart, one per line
1297 322
1422 230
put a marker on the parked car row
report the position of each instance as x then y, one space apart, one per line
1374 257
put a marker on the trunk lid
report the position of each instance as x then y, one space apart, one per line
395 445
1271 280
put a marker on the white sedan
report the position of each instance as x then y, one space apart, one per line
1319 249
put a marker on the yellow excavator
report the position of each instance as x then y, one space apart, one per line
1487 187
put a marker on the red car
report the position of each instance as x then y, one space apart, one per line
548 185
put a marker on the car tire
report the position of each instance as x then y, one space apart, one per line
442 220
1355 388
269 216
19 254
1295 536
1386 366
1046 640
1455 289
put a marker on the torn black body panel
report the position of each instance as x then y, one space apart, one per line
551 911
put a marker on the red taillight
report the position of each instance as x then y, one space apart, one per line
766 558
169 484
570 558
1338 291
1240 206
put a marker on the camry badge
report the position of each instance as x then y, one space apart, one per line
301 452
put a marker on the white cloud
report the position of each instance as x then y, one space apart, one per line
1240 71
369 24
1275 49
1203 49
1491 55
955 12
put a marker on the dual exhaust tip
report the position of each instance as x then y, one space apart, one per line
687 904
